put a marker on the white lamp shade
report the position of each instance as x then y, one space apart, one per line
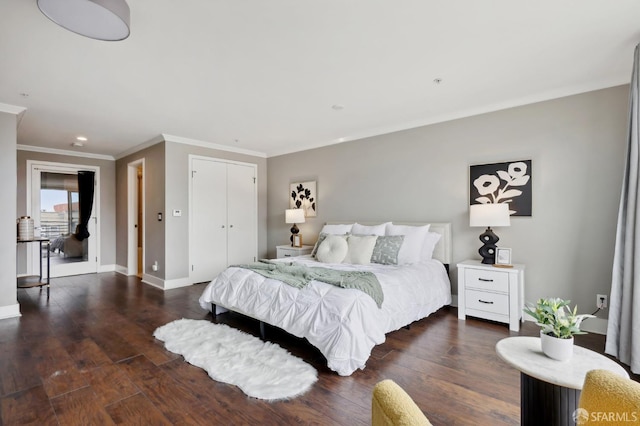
489 215
98 19
294 216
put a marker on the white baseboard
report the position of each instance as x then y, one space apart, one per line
121 270
590 325
180 282
10 311
165 284
106 268
153 281
595 325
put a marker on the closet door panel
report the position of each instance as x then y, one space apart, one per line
242 214
208 247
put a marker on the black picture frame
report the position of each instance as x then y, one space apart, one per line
508 182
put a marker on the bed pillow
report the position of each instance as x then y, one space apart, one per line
360 249
333 249
430 242
337 229
386 249
414 236
379 230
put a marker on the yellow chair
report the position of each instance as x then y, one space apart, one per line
608 399
392 406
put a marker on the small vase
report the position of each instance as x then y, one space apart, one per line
558 349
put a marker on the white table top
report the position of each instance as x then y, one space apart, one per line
525 354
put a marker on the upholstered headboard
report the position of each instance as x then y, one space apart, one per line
443 251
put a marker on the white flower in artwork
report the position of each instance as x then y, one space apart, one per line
486 184
489 185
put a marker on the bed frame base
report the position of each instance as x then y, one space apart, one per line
214 315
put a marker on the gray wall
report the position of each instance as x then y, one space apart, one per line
8 135
106 215
577 148
154 196
166 189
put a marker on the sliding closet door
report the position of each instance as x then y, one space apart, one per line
241 211
208 235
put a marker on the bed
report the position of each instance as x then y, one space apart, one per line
343 323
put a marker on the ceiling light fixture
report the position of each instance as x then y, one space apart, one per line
98 19
82 138
77 144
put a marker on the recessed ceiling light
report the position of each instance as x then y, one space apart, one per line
82 138
337 107
77 144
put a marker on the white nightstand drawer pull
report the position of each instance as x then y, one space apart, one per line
484 301
287 255
485 280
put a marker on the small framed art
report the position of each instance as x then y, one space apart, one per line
503 257
297 240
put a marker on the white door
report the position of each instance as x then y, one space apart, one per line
53 204
208 219
241 211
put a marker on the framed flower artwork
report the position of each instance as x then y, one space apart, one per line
502 183
302 195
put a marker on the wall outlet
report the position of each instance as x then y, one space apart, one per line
154 267
601 301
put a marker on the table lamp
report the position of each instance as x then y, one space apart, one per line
294 216
489 215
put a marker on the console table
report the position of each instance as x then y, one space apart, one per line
550 389
37 280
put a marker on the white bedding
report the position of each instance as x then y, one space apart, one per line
344 324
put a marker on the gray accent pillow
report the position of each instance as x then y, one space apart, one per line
386 249
321 238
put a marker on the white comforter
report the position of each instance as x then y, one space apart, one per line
344 324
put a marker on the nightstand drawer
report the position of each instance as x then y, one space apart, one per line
290 251
488 302
487 280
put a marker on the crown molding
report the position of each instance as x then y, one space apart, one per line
64 152
211 145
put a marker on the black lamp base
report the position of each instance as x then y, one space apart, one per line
294 230
488 249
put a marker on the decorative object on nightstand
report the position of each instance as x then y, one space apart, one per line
491 293
558 324
288 251
294 216
503 258
489 215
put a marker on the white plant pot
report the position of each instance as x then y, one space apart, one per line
558 349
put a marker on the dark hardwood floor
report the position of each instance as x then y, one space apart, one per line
87 356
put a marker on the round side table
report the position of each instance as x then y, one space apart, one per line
550 389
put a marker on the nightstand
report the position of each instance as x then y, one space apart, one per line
492 293
289 251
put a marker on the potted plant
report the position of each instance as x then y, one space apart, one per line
558 326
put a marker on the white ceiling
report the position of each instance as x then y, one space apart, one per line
263 75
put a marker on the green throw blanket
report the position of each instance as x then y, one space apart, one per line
297 275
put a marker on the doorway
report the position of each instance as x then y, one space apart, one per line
135 245
53 203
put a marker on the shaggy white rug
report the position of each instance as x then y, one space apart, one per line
260 369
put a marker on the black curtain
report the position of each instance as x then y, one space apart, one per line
85 201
